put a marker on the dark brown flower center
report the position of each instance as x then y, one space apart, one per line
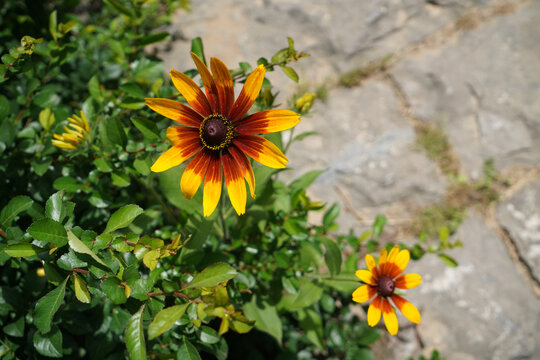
216 132
385 286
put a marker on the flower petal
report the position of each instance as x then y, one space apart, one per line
407 309
261 150
366 276
249 93
175 111
390 318
245 167
182 135
372 266
408 281
194 174
235 183
176 155
382 259
212 185
389 264
363 293
193 94
209 84
401 262
374 311
224 85
267 121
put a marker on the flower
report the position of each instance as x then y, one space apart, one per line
304 103
215 131
383 280
75 134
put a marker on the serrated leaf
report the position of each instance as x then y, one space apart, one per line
332 256
81 291
47 306
213 275
81 248
22 249
14 207
290 72
48 230
265 316
165 319
123 217
135 336
186 351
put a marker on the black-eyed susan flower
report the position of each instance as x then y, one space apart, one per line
77 132
217 133
381 281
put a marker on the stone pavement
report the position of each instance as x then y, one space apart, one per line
471 67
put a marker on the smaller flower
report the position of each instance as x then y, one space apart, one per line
381 281
77 132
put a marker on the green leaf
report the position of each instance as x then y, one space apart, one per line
14 207
378 226
41 165
208 335
330 215
103 164
197 48
147 127
47 306
7 133
55 207
5 108
46 118
153 38
304 135
448 260
112 132
135 336
16 328
304 181
67 183
120 179
141 166
94 89
311 322
213 275
48 230
117 5
123 217
165 319
50 344
22 249
265 316
81 248
150 259
114 291
186 351
332 256
81 291
308 293
289 71
53 25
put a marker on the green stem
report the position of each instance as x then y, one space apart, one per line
164 206
290 141
222 213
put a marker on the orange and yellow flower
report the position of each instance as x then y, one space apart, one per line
217 133
381 281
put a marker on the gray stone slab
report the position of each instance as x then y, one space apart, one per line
340 34
520 217
483 89
365 145
482 309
